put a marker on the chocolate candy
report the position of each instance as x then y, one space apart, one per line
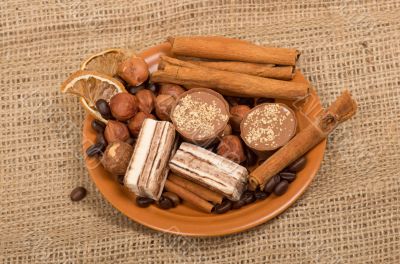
143 201
78 194
281 188
270 185
297 165
224 207
98 126
289 176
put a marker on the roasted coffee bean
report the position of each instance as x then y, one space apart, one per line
143 201
246 101
173 197
263 100
281 188
95 149
289 176
248 197
298 165
238 204
98 126
100 139
120 179
104 109
78 194
232 100
259 195
224 207
131 141
165 203
251 158
120 80
135 89
270 185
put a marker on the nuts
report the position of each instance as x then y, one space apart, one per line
237 114
171 89
116 131
116 157
123 106
145 100
134 71
227 131
164 104
231 148
135 123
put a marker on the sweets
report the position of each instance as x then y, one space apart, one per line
268 126
340 110
147 170
200 115
210 170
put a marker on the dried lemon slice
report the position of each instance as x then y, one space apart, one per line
107 61
92 86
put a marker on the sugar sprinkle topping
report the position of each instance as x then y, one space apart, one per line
265 125
198 117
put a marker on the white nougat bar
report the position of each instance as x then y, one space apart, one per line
148 167
210 170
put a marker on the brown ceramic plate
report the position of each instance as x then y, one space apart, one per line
186 220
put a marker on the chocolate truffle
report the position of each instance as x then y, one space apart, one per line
268 126
200 115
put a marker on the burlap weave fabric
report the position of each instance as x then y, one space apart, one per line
350 213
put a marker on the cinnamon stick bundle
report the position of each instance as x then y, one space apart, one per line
222 48
342 109
257 69
172 70
197 189
188 196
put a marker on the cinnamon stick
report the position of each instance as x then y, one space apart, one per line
197 189
227 83
188 196
257 69
342 109
222 48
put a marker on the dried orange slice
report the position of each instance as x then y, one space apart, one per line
92 86
107 61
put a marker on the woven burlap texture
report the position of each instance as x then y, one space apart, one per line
350 213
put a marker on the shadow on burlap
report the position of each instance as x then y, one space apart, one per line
351 212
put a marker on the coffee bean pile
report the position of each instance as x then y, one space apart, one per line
167 200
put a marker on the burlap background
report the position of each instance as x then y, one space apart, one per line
351 212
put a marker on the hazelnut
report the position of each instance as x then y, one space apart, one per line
145 100
231 148
227 131
171 89
134 71
164 104
116 157
123 106
135 123
237 114
116 131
